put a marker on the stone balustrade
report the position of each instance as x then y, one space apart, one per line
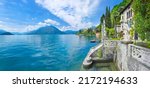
88 60
140 53
131 57
127 56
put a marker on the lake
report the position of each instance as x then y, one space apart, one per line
43 52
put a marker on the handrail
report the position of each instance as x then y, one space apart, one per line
88 60
93 49
140 53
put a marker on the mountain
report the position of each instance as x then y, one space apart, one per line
70 32
7 33
46 30
3 32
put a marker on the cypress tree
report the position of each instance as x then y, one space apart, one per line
108 18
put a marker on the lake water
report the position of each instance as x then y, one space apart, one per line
43 52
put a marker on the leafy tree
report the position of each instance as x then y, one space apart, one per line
115 13
87 32
98 28
110 32
142 18
115 16
112 18
131 33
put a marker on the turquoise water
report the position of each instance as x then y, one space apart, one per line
43 52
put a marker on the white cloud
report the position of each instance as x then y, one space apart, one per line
83 25
25 28
74 12
46 22
49 21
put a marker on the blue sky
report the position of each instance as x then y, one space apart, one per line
27 15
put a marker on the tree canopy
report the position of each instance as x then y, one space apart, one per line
142 18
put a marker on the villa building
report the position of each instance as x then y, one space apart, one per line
126 22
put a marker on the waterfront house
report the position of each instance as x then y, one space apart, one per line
126 21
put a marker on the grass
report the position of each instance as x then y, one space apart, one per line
116 38
99 53
148 44
102 67
106 66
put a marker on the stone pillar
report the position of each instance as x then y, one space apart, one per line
123 55
103 38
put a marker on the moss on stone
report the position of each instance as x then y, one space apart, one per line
99 53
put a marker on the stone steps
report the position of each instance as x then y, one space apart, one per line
87 63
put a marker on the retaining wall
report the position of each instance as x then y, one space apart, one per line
132 58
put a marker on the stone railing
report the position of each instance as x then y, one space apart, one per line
88 59
140 53
94 49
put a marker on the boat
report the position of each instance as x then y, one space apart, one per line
93 41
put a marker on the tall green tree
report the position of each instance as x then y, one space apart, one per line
142 18
102 18
108 18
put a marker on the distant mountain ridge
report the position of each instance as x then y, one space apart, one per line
40 31
3 32
46 30
70 32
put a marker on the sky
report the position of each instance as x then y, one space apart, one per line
28 15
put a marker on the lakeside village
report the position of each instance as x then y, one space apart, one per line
125 39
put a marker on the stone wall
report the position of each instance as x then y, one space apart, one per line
122 56
132 58
139 58
128 57
109 49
